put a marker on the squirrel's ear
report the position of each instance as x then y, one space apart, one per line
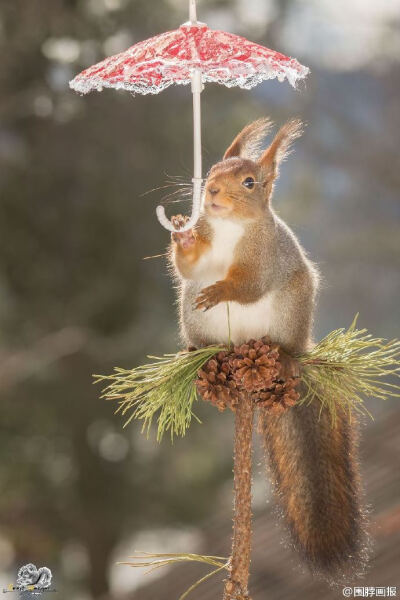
280 147
248 143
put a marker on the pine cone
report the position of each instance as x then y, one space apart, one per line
215 383
280 397
255 366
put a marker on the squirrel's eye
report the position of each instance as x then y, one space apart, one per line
248 182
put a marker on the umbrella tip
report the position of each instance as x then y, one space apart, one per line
198 24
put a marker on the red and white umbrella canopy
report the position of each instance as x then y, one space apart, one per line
191 54
154 64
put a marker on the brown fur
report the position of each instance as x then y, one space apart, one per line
314 468
313 465
247 143
186 257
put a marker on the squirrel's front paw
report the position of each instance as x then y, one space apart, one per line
211 296
186 239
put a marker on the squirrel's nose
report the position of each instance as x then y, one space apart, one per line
213 191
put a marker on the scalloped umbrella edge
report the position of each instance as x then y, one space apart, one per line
193 54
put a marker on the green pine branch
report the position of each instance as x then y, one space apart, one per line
344 369
164 388
348 366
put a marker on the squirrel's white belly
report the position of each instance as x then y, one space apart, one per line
246 321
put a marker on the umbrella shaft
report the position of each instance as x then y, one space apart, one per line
192 11
196 90
197 87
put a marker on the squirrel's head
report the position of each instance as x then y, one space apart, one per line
241 184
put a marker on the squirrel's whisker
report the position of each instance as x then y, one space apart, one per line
165 186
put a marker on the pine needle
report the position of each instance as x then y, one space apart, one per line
163 389
152 562
346 367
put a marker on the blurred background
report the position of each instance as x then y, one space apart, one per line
77 297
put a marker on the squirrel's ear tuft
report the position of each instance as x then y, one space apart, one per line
248 143
280 146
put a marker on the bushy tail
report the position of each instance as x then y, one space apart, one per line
314 468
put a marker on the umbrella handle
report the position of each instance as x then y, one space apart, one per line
166 223
197 88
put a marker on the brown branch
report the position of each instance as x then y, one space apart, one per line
236 585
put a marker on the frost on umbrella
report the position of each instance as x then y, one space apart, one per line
154 64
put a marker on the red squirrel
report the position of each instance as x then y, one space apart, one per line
241 252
